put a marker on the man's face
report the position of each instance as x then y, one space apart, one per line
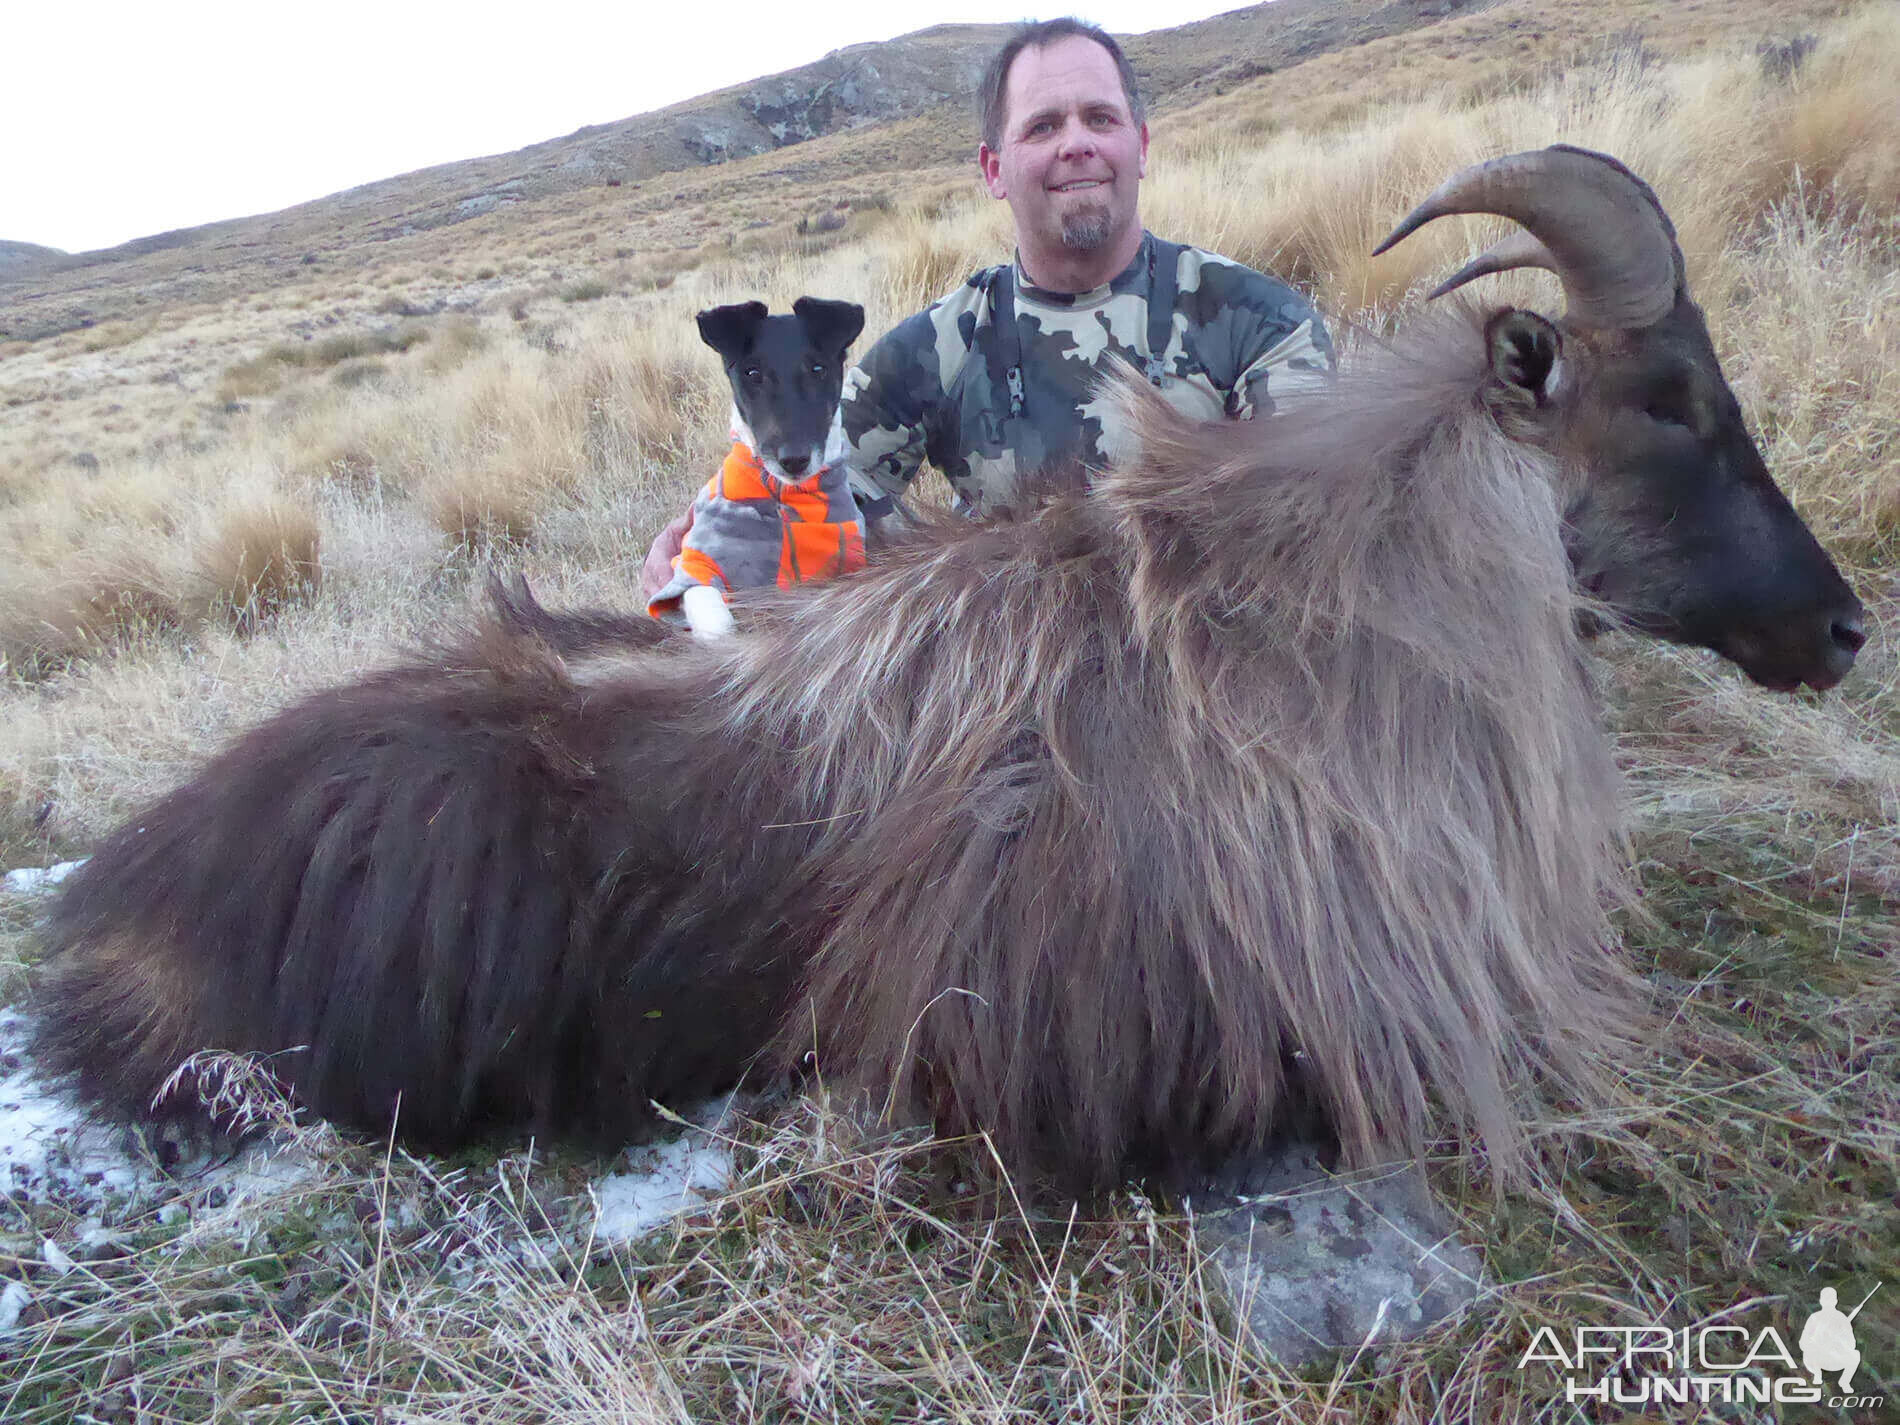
1072 156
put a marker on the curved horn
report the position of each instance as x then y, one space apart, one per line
1595 224
1520 249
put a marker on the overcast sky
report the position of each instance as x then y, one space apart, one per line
119 120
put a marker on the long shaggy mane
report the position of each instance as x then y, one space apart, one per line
1263 784
1266 778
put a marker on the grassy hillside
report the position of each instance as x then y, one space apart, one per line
211 506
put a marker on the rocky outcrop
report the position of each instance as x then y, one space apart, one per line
862 84
856 86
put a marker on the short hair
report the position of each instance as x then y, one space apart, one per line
993 96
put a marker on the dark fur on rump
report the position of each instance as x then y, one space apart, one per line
1266 777
424 887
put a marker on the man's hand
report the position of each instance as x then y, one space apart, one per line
659 562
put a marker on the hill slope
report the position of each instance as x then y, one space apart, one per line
871 92
852 127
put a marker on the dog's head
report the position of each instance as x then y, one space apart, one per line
786 373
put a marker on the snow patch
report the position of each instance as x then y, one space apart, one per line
52 1153
13 1301
664 1180
32 880
102 1176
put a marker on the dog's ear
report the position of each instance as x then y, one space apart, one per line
832 326
731 330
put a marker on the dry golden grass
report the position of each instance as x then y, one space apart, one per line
109 335
112 597
1755 1157
241 565
928 254
259 560
1313 207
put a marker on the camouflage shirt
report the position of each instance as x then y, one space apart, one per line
929 388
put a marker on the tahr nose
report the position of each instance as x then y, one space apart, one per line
1849 632
1846 635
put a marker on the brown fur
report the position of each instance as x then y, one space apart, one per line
1268 778
1265 780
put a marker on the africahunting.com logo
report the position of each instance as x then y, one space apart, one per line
1732 1364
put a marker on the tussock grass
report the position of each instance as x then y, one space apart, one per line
112 597
1752 1159
517 434
267 372
929 256
1313 207
1837 121
108 335
588 289
453 341
260 559
1814 309
78 594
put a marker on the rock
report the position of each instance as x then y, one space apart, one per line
1317 1264
717 140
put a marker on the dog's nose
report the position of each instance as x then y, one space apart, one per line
794 465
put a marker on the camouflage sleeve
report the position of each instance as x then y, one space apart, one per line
1258 338
891 398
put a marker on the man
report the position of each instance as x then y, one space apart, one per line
996 380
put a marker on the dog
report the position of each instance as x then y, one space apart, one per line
780 510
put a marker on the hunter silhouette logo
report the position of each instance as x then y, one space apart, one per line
1827 1341
1721 1361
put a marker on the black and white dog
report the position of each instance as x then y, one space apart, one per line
780 510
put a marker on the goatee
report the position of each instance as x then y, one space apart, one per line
1085 231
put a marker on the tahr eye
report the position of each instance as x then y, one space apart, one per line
1665 414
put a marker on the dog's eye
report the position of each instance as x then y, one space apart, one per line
818 368
752 373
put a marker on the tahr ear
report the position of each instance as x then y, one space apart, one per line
832 326
730 331
1525 351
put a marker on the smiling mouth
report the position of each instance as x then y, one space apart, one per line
1080 185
